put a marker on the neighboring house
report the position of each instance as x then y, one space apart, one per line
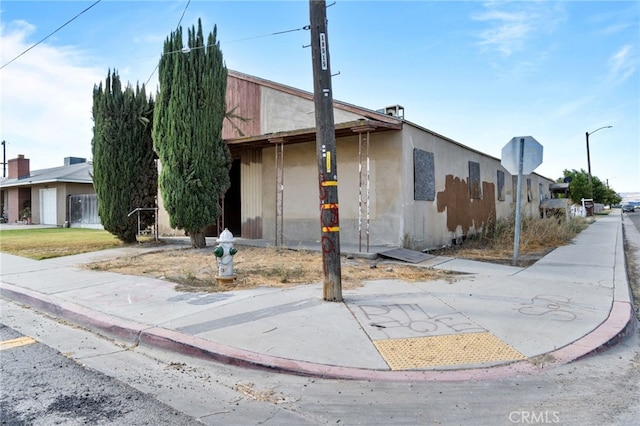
399 184
52 196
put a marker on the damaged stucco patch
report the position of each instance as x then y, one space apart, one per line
462 211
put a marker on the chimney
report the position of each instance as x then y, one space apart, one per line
19 167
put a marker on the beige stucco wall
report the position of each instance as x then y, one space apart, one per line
284 112
453 214
301 202
63 191
164 227
395 218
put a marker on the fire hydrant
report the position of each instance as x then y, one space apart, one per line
224 253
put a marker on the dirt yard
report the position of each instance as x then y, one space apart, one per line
195 269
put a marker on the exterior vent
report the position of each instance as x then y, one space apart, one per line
74 160
393 110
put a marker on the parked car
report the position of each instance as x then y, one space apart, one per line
628 208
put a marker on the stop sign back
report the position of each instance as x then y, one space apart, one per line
531 155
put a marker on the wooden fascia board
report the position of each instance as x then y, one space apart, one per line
309 134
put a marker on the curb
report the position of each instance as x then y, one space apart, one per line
620 323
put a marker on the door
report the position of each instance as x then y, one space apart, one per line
48 206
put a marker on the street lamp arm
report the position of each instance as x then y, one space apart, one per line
600 128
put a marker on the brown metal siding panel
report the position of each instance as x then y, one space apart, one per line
244 96
251 193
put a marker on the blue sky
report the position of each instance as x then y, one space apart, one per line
479 72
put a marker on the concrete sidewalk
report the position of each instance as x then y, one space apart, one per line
493 321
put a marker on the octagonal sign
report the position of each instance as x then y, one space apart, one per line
531 152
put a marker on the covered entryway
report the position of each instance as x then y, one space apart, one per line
48 206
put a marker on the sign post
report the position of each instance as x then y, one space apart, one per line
520 156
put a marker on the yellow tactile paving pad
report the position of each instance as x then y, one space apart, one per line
452 349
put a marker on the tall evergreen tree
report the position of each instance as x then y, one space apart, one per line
125 176
187 132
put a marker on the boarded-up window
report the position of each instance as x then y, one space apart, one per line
474 180
541 194
424 182
500 179
514 184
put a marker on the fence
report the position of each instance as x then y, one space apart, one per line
83 211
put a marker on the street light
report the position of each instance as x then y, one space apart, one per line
589 158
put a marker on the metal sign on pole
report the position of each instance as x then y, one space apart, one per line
326 152
520 156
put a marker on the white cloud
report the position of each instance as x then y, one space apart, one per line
46 99
512 25
623 64
571 107
508 35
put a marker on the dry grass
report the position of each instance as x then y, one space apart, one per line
195 270
537 238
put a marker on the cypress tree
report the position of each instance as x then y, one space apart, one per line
124 171
187 132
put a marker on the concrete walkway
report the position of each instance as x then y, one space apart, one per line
493 321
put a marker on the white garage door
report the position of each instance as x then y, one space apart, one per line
48 206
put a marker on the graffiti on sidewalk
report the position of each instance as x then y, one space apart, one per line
411 317
557 308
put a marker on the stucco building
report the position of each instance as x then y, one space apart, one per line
399 184
56 196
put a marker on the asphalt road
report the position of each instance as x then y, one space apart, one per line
632 252
42 386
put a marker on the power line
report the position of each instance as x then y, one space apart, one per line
189 49
177 26
306 27
58 29
183 12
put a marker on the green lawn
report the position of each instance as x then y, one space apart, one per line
45 243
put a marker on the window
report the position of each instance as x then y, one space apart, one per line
541 193
474 180
424 182
500 179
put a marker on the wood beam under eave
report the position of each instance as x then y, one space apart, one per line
363 129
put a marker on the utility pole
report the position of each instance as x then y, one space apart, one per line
4 159
326 152
589 167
